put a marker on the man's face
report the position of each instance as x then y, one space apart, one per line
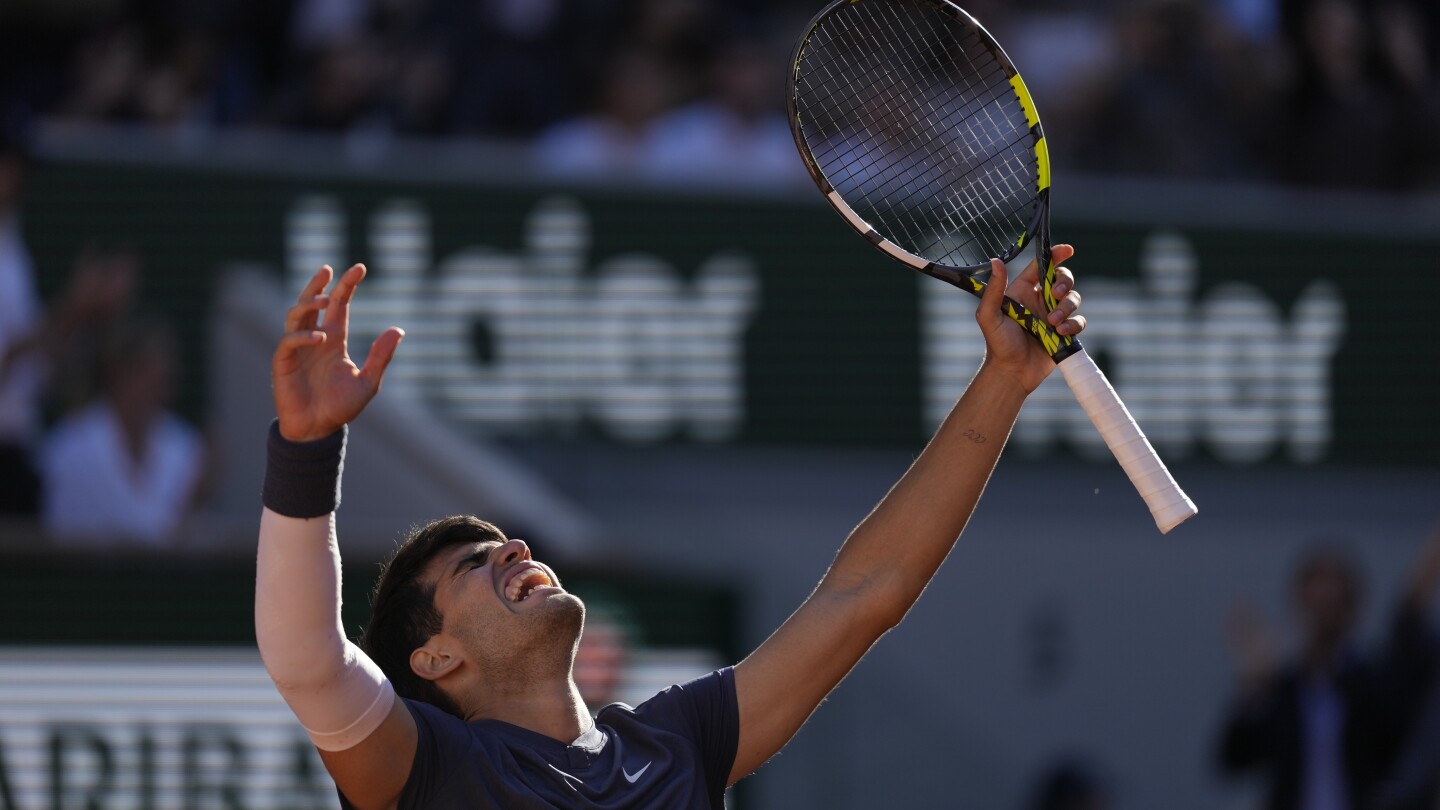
1328 601
505 609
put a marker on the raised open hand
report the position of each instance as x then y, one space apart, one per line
318 388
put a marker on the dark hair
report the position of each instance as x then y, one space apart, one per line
126 341
403 615
1334 555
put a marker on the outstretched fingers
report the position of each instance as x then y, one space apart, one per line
339 312
305 314
317 283
382 351
287 353
302 321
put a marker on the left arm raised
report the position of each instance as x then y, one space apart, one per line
890 557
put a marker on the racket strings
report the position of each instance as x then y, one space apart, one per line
912 119
976 192
896 182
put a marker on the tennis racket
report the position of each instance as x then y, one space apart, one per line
920 132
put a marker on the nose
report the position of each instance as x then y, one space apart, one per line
512 552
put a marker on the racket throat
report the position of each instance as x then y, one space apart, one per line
1071 348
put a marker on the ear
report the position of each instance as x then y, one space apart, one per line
433 661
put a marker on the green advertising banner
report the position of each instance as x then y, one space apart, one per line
655 316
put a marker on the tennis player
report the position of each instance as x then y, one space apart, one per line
461 693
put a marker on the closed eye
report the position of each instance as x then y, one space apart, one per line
473 560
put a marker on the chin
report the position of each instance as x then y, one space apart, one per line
562 610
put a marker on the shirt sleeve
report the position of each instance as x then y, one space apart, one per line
440 744
707 712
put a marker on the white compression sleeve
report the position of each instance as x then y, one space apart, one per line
338 694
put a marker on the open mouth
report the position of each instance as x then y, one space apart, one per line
524 581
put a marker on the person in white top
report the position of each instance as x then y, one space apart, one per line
124 469
33 341
736 134
19 316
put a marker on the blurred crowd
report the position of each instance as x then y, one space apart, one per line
1318 92
1340 93
88 444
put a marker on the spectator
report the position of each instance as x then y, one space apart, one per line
518 62
20 316
125 73
1324 729
123 468
1340 104
603 655
107 69
1174 106
1414 782
679 34
617 138
341 88
737 132
317 25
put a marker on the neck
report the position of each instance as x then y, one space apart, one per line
134 424
552 707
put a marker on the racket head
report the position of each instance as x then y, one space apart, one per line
917 127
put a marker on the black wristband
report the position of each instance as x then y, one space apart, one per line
302 479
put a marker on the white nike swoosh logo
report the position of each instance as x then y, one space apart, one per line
631 779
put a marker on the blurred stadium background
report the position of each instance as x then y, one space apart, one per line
639 338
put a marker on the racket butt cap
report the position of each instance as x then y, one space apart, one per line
1173 514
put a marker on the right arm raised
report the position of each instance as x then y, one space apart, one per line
366 736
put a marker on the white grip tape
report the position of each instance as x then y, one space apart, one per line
1169 505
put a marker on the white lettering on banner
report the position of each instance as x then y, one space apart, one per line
151 730
1228 371
528 339
146 728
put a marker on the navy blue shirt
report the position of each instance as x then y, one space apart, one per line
675 750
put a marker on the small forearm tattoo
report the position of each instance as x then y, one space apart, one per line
974 435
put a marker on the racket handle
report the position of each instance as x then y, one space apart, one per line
1169 505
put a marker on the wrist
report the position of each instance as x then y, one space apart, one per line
302 478
1002 379
305 434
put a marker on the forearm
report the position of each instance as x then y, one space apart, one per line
891 556
297 599
878 574
338 694
898 547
